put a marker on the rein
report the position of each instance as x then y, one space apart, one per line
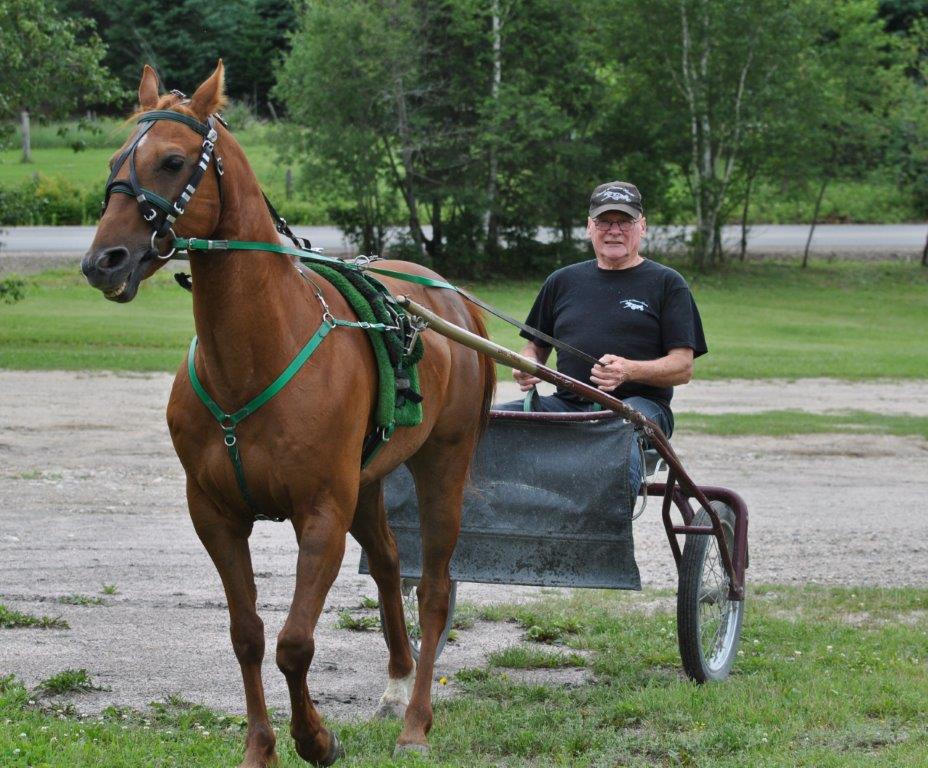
152 205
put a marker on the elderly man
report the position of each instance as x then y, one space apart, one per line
636 316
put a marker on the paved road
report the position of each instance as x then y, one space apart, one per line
851 239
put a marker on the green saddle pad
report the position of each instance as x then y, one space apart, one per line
399 400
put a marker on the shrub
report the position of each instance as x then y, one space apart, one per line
49 200
12 289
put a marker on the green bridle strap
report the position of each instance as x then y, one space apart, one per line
229 421
307 257
202 244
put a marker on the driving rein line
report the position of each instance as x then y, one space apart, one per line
152 205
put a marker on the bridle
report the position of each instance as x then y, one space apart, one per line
151 205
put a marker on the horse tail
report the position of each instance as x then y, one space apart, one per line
489 370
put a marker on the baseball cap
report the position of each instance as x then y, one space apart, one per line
616 196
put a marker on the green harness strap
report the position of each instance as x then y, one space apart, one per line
202 244
229 421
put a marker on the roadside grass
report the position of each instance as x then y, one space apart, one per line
347 620
828 677
68 681
846 320
10 619
778 423
77 599
87 170
526 657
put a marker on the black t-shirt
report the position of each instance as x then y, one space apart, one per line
640 313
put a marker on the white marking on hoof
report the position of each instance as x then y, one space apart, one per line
410 749
396 697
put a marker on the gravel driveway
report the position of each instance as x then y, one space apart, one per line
92 494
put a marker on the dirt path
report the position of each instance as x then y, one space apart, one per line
92 494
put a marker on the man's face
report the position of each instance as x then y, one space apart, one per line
616 247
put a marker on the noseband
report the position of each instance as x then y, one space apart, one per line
152 205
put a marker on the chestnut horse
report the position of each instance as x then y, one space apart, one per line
301 452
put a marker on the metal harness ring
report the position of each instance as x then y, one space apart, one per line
173 249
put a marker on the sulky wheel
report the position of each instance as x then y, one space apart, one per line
410 590
708 622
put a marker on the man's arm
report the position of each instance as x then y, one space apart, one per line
533 352
676 367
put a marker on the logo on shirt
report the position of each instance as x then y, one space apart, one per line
635 304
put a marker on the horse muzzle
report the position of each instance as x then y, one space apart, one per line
117 271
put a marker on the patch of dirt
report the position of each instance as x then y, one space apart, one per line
91 493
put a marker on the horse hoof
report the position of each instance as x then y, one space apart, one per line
336 750
389 710
401 750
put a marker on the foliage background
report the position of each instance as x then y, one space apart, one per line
453 132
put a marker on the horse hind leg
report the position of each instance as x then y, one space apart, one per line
321 541
440 471
372 532
227 545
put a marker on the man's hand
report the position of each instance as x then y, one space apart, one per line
533 352
610 372
525 380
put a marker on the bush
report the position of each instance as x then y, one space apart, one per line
49 200
12 289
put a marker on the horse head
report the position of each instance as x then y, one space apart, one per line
149 195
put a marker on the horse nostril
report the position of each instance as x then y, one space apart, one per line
112 258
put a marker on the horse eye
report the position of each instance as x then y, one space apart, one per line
173 163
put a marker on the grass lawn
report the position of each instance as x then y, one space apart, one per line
88 169
827 677
843 320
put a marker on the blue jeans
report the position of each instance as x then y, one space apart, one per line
647 408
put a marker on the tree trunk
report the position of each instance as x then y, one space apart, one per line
744 216
406 158
435 245
27 139
818 205
492 221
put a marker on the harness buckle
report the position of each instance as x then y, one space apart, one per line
328 318
149 215
219 168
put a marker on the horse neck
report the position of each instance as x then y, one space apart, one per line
250 308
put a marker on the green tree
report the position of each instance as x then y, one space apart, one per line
183 40
439 101
51 65
728 81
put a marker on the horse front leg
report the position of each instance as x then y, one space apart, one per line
321 539
227 545
372 532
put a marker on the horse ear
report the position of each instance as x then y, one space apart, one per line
148 88
210 97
